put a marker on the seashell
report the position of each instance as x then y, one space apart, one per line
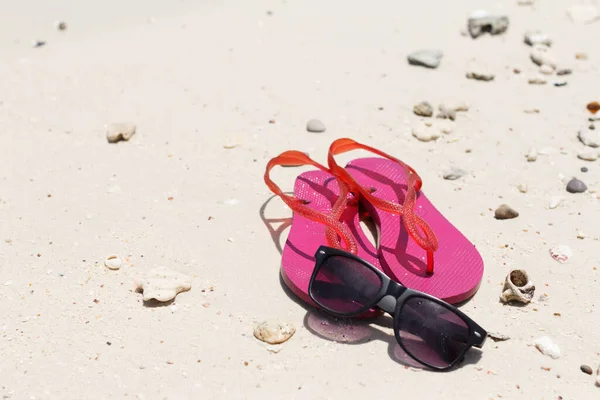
561 253
547 347
274 331
113 262
522 188
517 287
163 284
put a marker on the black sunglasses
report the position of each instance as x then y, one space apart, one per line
431 331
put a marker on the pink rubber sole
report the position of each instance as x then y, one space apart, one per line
321 190
458 265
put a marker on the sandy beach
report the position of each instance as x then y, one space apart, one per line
216 89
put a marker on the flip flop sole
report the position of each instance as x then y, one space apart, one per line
320 190
458 265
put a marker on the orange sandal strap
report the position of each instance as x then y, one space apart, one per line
412 222
334 228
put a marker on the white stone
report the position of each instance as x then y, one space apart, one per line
425 133
541 55
583 13
589 137
120 131
533 38
554 202
588 155
547 347
532 155
163 284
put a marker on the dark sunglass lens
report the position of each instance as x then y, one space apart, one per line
344 285
432 332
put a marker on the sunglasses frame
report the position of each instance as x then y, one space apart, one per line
391 298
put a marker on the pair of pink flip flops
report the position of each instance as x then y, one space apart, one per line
417 246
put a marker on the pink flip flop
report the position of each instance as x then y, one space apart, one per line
443 264
322 215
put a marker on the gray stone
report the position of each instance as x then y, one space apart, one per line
482 22
576 186
454 173
423 109
426 58
315 125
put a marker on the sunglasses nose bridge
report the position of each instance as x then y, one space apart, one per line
387 304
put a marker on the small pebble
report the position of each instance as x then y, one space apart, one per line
584 169
531 155
537 80
38 43
576 186
113 262
588 155
546 70
163 284
505 212
564 71
480 75
586 369
61 25
541 55
426 58
533 38
554 202
583 13
315 125
425 133
580 235
274 331
547 347
589 137
482 22
446 113
593 107
454 173
560 83
423 109
522 188
581 56
120 131
498 337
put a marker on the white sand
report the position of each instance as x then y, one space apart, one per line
195 77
